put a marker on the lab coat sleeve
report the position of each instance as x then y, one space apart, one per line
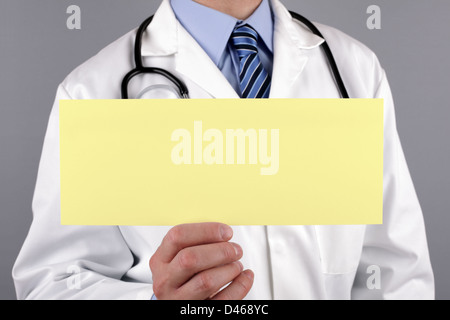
70 262
397 248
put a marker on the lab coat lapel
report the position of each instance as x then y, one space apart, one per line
166 37
194 63
291 41
160 38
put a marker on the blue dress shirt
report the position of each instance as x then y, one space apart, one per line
212 30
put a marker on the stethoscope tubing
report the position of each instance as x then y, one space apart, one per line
140 69
328 53
181 86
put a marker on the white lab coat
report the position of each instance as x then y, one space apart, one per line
289 262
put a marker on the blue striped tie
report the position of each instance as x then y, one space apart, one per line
254 79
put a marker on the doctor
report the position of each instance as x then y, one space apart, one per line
198 42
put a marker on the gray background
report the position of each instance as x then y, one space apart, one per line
37 51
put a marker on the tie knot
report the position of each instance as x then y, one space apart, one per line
245 40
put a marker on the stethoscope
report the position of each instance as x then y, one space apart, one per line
182 91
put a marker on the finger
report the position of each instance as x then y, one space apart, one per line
205 284
188 235
193 260
238 289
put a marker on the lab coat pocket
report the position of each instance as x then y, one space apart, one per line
340 248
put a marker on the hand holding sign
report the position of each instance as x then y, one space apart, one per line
195 261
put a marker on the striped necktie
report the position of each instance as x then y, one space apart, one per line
254 79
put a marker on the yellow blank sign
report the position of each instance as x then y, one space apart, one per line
240 162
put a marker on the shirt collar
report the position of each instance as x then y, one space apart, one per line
212 29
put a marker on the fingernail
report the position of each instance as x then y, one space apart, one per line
226 232
237 249
249 274
241 266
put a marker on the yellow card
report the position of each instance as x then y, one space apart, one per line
240 162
